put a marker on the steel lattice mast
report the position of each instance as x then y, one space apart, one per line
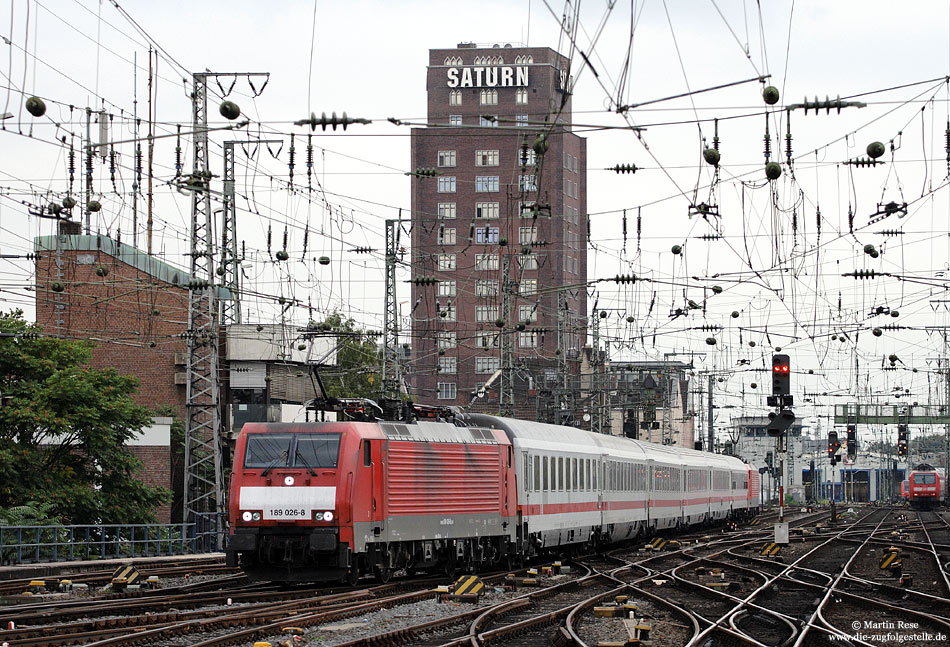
391 375
506 390
203 491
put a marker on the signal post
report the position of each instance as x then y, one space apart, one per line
779 422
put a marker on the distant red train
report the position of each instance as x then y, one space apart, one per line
925 487
338 500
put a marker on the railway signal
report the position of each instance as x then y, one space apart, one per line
852 440
833 446
781 375
780 422
902 440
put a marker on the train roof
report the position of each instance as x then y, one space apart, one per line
539 435
442 432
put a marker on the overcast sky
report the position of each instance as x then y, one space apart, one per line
777 270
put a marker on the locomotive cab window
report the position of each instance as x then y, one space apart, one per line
925 478
367 453
314 451
317 451
263 450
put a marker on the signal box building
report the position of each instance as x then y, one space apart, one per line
499 226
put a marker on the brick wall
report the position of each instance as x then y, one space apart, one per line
155 473
134 319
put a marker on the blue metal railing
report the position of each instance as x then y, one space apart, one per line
36 544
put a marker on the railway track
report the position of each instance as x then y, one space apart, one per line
711 587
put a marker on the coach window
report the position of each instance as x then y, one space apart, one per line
367 454
537 473
560 473
544 479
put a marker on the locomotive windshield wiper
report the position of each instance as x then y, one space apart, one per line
273 463
306 464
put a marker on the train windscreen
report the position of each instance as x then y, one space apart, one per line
266 450
314 451
925 478
317 451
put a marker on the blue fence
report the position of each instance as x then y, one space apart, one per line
36 544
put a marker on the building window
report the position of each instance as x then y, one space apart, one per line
483 184
488 97
446 262
455 97
486 158
486 288
447 184
486 313
486 235
528 210
486 210
447 340
447 313
528 287
527 235
527 314
447 391
528 157
529 183
486 261
487 364
521 121
528 339
486 340
447 210
446 235
448 365
446 158
488 121
446 289
528 261
455 120
521 96
522 59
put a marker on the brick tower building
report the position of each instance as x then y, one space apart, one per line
498 227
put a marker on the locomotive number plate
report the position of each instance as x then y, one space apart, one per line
286 513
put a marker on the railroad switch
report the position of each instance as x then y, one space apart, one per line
770 549
657 544
125 576
151 582
37 586
891 559
468 588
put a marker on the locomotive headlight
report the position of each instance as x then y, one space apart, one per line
328 516
288 480
246 516
256 516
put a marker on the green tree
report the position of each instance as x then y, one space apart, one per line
356 372
63 429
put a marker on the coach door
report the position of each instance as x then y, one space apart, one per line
531 474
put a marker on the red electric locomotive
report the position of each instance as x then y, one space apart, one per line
925 487
308 502
337 500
